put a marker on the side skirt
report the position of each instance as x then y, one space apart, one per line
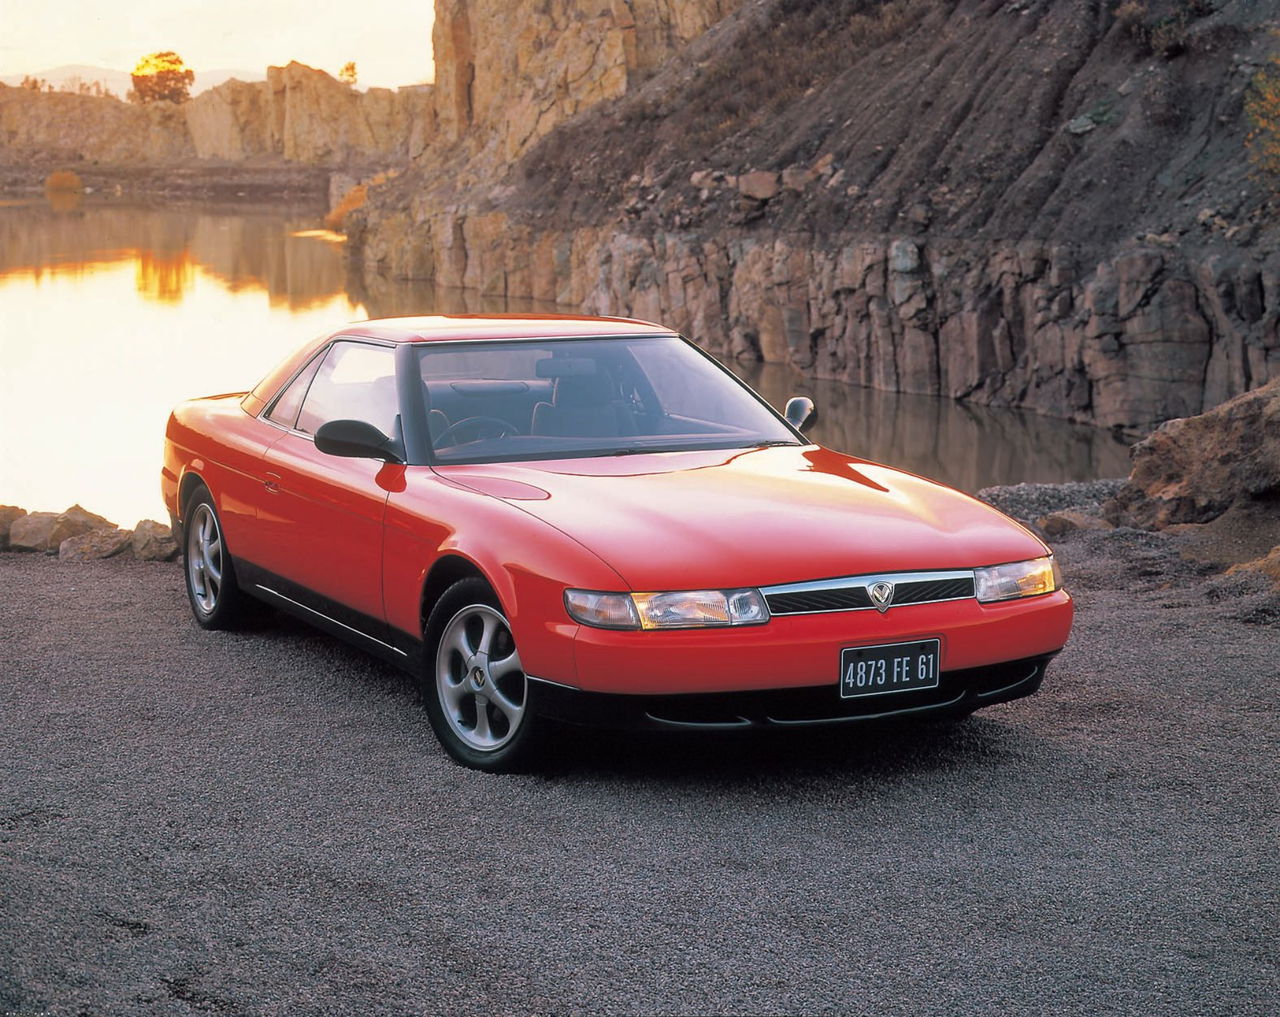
360 630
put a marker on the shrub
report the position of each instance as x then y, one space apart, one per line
1132 17
64 182
1165 35
1262 106
1168 37
336 219
348 203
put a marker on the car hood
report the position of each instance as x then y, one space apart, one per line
755 517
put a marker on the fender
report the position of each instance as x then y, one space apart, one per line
527 562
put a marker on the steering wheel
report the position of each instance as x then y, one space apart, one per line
485 427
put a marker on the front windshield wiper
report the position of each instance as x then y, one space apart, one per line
609 453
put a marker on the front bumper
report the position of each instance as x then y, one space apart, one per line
958 693
801 651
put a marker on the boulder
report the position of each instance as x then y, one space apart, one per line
759 185
154 541
1058 524
95 544
31 532
45 531
796 178
8 515
1193 469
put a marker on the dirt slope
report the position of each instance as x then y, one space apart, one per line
986 119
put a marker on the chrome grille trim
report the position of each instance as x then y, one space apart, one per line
849 593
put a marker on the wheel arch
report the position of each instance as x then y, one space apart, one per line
186 487
190 481
447 570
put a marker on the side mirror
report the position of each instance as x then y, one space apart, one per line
356 439
801 413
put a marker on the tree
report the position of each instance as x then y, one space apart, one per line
348 73
162 77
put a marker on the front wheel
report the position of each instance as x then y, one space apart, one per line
477 694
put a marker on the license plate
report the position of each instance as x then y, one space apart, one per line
898 667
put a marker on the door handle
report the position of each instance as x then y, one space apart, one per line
272 483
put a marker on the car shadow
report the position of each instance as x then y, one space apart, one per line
876 750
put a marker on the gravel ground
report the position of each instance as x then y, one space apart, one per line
1029 502
262 823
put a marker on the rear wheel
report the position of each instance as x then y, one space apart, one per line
216 600
476 691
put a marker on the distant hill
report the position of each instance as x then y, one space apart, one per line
120 82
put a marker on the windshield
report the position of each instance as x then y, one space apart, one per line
550 399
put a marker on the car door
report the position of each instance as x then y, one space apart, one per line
322 516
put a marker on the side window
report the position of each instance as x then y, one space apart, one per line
285 411
355 381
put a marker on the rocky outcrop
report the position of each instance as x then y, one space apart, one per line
45 531
1195 470
1268 565
57 128
303 115
80 535
1143 336
232 121
94 545
507 73
298 115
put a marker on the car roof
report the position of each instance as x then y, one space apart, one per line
447 327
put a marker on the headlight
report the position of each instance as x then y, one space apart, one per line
1017 579
686 609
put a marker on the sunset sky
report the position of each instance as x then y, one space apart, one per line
390 40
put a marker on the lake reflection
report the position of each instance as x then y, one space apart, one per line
110 314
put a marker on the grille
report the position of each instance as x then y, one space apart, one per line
848 599
854 597
937 589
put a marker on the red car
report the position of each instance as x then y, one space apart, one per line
590 520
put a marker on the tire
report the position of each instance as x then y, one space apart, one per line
216 601
478 699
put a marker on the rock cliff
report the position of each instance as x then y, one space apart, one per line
298 115
1139 337
53 129
303 115
1031 203
506 74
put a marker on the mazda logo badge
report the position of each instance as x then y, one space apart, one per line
881 595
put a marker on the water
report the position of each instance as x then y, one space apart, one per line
110 314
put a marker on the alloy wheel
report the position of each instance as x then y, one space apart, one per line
204 558
479 678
